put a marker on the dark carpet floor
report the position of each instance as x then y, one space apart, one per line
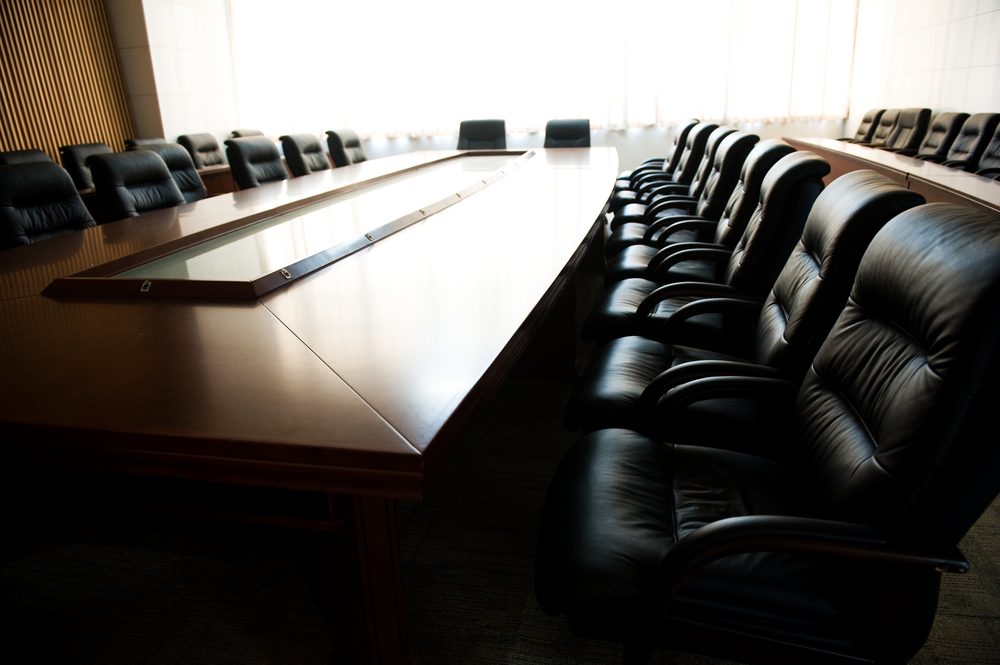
101 586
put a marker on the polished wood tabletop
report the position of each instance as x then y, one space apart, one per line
935 182
354 379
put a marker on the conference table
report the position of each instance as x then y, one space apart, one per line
328 338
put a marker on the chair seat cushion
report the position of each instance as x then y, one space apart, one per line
620 501
633 261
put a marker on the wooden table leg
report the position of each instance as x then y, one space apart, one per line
381 580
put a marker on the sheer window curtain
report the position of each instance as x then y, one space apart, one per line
396 69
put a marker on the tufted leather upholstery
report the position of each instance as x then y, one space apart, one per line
667 164
567 134
482 135
706 196
135 143
74 159
635 259
887 470
203 148
243 133
941 134
989 163
23 157
304 154
254 161
909 131
618 390
971 142
38 200
866 129
181 167
345 147
683 173
642 306
883 129
133 182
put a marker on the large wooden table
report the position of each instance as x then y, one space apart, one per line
353 381
937 183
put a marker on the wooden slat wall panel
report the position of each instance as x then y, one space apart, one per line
60 81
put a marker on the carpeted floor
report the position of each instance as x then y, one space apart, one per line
100 586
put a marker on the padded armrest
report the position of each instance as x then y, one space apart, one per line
658 272
658 203
717 387
678 289
989 173
671 249
909 152
963 164
937 159
674 223
699 369
731 305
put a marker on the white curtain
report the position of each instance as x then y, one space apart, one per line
411 68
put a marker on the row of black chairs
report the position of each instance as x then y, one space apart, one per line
782 446
958 140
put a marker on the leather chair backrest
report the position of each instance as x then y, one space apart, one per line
941 134
724 174
135 143
567 134
203 148
866 130
133 182
254 161
304 154
74 159
181 167
895 414
746 194
242 133
701 176
991 154
482 135
677 147
38 200
813 285
786 196
972 139
909 130
23 157
694 149
345 147
885 126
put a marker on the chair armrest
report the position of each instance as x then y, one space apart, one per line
678 289
658 204
739 304
658 272
653 177
963 164
699 369
937 159
780 533
671 224
909 152
989 173
654 190
780 391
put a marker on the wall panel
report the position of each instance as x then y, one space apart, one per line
60 80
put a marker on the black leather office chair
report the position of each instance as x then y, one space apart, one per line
133 182
909 131
74 159
726 229
567 134
135 143
706 196
243 133
941 134
642 306
181 168
835 551
666 164
628 375
203 148
304 154
23 157
254 161
687 165
345 147
38 200
971 142
482 135
989 163
886 123
866 129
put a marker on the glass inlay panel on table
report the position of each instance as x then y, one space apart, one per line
273 244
